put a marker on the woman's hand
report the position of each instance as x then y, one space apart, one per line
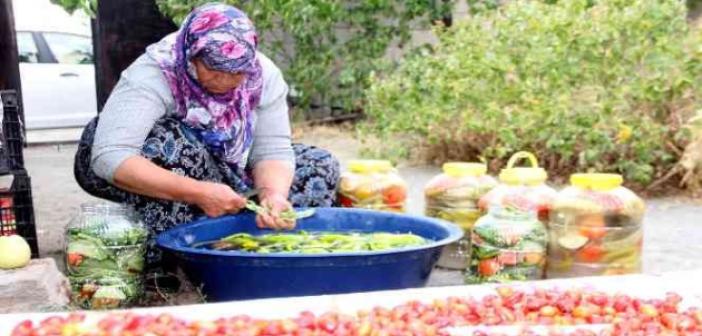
217 199
275 204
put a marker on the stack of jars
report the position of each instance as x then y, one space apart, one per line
509 243
453 196
373 184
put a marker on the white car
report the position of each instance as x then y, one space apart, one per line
58 79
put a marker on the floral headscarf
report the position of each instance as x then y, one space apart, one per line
225 40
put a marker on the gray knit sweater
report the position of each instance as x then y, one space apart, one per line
142 96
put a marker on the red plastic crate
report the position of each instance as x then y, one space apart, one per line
16 208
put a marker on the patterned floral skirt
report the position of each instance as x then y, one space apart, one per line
173 146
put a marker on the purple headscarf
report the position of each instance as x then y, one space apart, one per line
225 40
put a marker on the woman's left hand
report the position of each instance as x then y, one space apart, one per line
275 203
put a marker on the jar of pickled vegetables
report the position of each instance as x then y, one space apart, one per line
507 245
105 256
595 228
453 196
522 188
373 184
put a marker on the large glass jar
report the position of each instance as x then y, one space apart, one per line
507 246
595 228
522 188
453 196
373 184
105 247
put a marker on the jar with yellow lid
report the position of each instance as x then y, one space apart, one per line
453 195
522 188
595 228
372 184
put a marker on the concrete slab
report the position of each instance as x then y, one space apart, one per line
37 286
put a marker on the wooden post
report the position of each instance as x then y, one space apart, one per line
9 61
124 29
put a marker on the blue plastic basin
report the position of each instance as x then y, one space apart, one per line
233 275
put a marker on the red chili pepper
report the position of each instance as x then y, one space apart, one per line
590 253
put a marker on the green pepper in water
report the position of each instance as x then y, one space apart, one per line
290 214
383 241
239 241
306 243
285 239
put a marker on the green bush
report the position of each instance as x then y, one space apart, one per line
302 37
586 85
89 7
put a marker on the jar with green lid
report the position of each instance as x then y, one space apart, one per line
453 196
105 250
522 188
372 184
595 228
507 245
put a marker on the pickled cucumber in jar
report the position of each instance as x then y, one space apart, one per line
522 189
453 196
372 184
595 228
507 245
105 250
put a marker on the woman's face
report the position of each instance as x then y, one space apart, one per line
217 82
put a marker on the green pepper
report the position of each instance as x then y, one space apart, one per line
523 273
88 248
630 253
489 235
130 259
530 246
338 238
537 235
485 251
303 242
286 239
286 215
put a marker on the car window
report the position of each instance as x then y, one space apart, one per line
26 48
70 49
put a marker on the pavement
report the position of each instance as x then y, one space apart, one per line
673 226
53 135
57 196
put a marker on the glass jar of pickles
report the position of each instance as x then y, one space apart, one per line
595 228
507 245
105 250
453 196
522 188
372 184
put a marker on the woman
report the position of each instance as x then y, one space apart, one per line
195 122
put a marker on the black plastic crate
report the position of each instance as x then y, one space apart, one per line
16 205
17 209
12 133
